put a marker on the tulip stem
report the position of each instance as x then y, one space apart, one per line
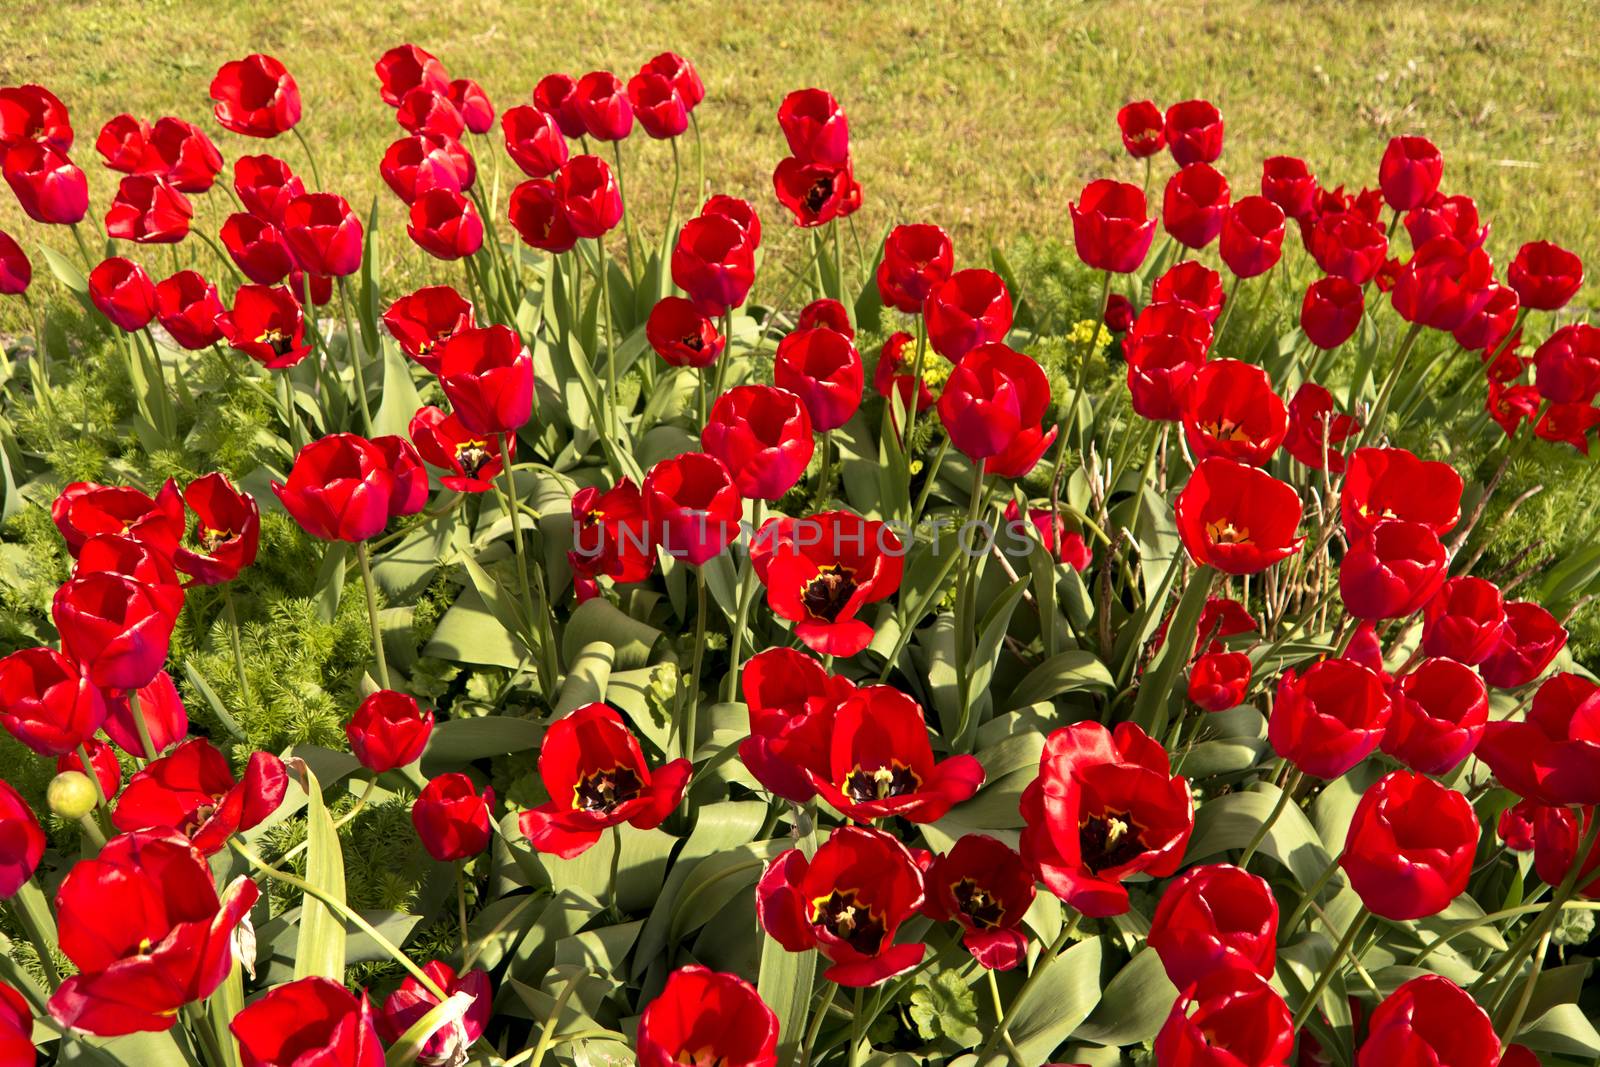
1380 408
1046 958
341 909
91 827
613 902
855 1028
94 779
611 344
140 725
1509 1030
627 216
357 356
1310 895
916 384
461 905
747 590
825 473
818 1014
363 556
544 658
1332 967
1266 828
699 160
692 714
238 645
311 157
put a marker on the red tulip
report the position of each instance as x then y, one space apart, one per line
257 248
1567 365
740 212
255 96
1545 275
1557 834
1391 483
408 1004
32 113
451 818
1219 680
967 309
681 335
1109 226
188 308
1488 329
445 225
1143 128
991 407
820 571
15 270
1446 216
470 99
487 375
388 731
48 185
682 75
1105 806
556 95
1289 183
1331 311
161 710
533 141
1429 1020
847 901
323 233
589 196
471 460
1443 285
1348 246
701 1014
815 193
84 509
1231 1017
1440 709
791 702
610 534
692 506
1316 431
1215 918
1530 639
1392 571
1062 545
1410 171
714 263
661 112
1519 1056
21 847
1252 236
1165 348
410 476
342 488
424 161
266 185
815 126
1194 132
115 627
422 322
116 554
144 926
823 369
1330 718
602 102
828 314
1464 621
1119 313
429 111
915 259
184 155
192 791
227 531
147 210
1194 205
762 434
308 1021
536 213
597 778
1554 756
1230 410
403 68
887 376
1236 518
1192 283
266 324
984 885
47 703
1569 424
102 764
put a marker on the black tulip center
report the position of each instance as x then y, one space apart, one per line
604 791
826 595
843 915
1108 840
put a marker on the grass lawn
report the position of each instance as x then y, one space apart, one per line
985 117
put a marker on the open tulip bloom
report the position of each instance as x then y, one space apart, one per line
627 641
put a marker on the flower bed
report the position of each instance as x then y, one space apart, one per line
591 659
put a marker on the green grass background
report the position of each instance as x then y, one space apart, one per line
986 117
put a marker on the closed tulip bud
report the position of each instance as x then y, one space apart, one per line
1330 718
487 375
602 103
992 407
324 234
589 196
451 818
823 369
1195 204
656 104
48 185
388 731
445 225
70 795
536 214
1194 132
1109 227
477 111
1119 314
763 435
1545 275
1410 172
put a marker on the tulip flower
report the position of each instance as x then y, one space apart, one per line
425 110
1348 246
1194 132
710 1016
597 778
1289 183
1143 128
1446 216
820 571
610 534
1316 431
1119 314
188 308
1488 330
84 509
991 407
1330 718
257 248
33 114
1219 680
473 461
1228 1017
1444 284
47 702
1545 275
916 259
409 1003
184 155
1331 311
1195 204
815 193
405 67
469 98
1440 708
388 731
1236 518
1558 833
1554 756
967 309
102 764
661 112
1194 284
1109 226
692 506
739 212
1410 171
535 212
556 95
311 1019
847 901
823 369
226 533
1391 483
445 225
791 702
1167 345
1567 365
683 76
15 270
827 314
589 196
1231 411
1064 546
533 141
1429 1020
266 185
192 791
1464 620
602 103
161 713
21 848
424 161
887 376
1105 806
144 925
114 627
147 210
763 436
1215 918
713 261
815 126
1252 236
323 233
266 324
255 96
1392 571
451 818
423 321
487 375
984 885
49 186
